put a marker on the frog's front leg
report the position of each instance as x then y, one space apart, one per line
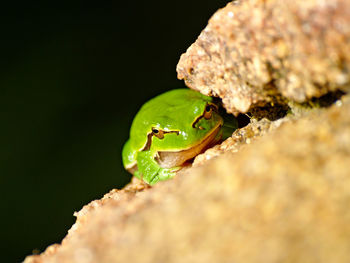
149 169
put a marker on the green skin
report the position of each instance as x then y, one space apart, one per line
179 115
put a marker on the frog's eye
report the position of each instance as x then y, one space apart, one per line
158 133
207 112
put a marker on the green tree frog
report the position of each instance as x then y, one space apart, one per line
171 129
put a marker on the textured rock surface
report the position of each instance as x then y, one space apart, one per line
281 198
255 52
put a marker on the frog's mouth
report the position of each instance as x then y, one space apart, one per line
174 159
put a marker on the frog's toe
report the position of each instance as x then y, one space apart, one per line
166 174
154 180
137 175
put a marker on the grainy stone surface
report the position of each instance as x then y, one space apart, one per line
281 198
255 52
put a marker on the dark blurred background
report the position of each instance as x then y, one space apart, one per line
72 78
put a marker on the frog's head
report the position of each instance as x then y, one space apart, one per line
179 125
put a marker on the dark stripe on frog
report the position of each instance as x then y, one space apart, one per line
149 139
215 108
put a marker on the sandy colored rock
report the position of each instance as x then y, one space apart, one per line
282 198
255 52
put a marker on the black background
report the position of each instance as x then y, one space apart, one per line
72 78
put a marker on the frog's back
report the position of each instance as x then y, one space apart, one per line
169 111
176 97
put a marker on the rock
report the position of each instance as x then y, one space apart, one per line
254 52
281 198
